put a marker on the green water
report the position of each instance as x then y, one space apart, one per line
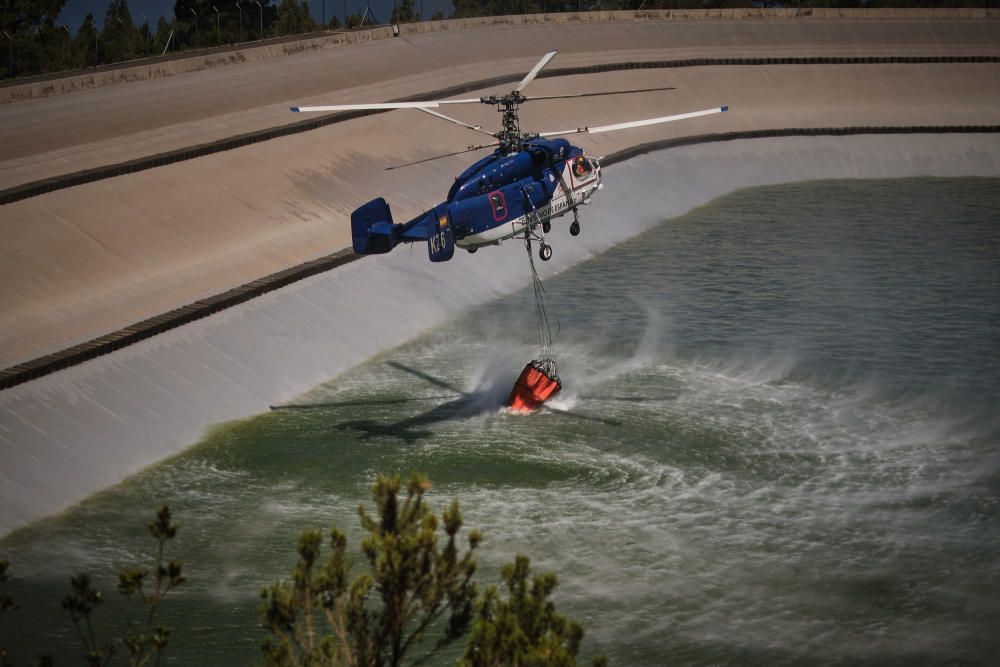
778 443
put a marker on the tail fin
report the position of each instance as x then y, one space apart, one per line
372 231
440 240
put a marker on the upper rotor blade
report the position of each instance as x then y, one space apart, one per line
535 70
532 98
635 123
438 157
431 104
474 128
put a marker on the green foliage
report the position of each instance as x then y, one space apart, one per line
524 629
26 27
6 599
142 640
81 604
119 36
411 587
403 12
6 604
293 18
86 51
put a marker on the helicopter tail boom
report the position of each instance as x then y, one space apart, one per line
373 232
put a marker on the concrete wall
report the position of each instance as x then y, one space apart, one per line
76 432
154 68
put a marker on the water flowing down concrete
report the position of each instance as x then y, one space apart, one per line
76 432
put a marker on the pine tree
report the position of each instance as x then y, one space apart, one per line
412 587
143 639
119 35
85 46
403 12
293 18
524 629
6 604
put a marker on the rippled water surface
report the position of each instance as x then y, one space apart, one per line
779 442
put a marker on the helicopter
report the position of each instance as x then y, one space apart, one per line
516 191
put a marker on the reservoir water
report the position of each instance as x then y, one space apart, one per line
779 442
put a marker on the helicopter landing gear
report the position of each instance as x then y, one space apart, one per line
546 227
574 229
545 252
473 249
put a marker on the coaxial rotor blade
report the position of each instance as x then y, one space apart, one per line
474 128
438 157
532 98
535 70
634 123
430 104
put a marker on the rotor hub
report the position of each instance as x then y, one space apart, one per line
510 133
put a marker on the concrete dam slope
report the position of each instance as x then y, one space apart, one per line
82 261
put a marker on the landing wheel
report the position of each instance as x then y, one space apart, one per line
574 229
546 226
545 252
473 249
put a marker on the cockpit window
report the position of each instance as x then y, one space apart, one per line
582 167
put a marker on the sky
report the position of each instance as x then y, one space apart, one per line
74 11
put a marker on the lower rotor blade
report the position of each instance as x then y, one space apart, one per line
474 128
438 157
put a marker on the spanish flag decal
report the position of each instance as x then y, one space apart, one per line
443 221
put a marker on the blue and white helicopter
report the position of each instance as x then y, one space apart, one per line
516 191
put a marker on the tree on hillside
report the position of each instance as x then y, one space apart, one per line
403 12
85 46
163 34
23 24
119 35
293 18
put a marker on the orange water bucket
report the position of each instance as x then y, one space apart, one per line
534 386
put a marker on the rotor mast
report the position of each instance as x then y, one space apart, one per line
509 136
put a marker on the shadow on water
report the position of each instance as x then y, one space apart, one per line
462 405
354 404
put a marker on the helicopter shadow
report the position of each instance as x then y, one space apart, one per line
457 404
462 405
